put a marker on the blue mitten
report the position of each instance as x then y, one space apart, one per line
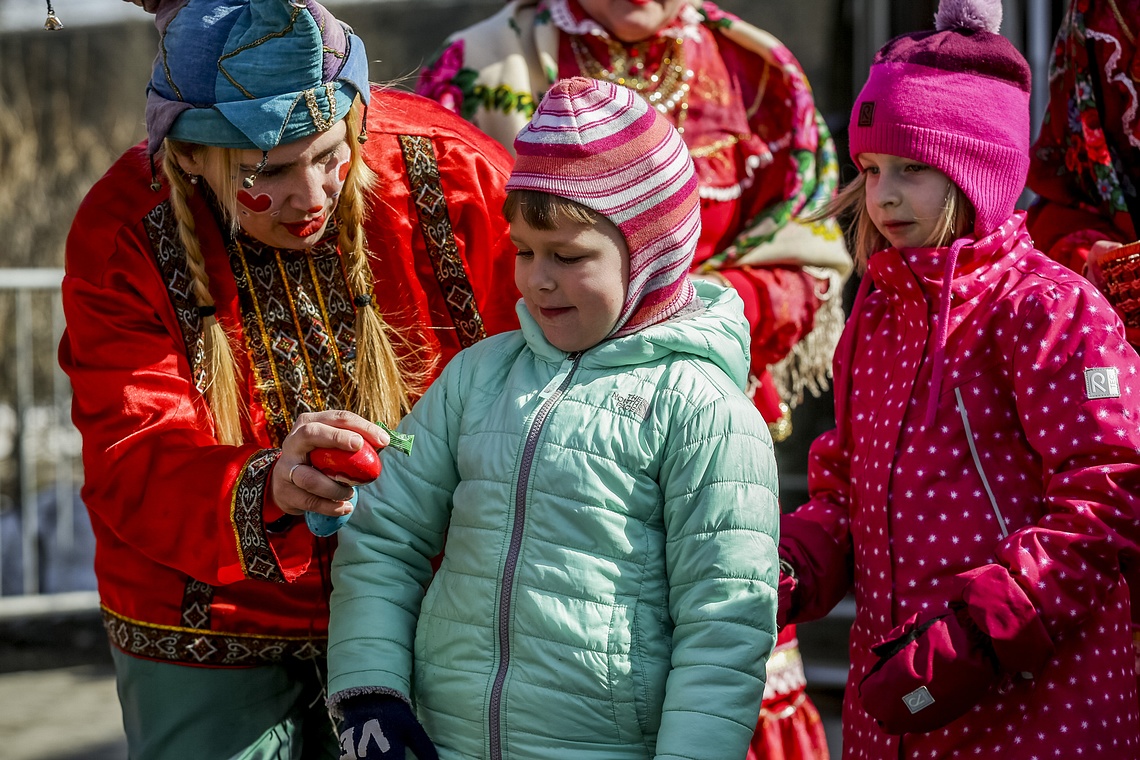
381 727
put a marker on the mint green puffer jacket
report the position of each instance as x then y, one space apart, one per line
608 588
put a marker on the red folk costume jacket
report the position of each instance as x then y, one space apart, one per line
1038 370
194 564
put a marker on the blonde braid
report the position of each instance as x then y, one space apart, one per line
221 372
385 384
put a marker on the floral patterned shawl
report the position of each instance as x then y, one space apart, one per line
493 73
1086 161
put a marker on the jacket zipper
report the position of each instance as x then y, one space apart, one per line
978 464
507 591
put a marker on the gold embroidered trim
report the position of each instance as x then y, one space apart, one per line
319 121
260 383
326 315
317 399
1120 20
170 256
713 148
197 599
784 672
439 238
197 647
256 556
786 712
297 317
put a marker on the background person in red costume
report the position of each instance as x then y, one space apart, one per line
764 160
981 488
1085 164
292 255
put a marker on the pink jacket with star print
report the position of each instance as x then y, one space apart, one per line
1036 434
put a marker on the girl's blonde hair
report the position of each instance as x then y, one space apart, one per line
385 381
851 203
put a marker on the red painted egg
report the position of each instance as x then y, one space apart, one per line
348 467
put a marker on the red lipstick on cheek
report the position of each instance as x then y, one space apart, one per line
306 228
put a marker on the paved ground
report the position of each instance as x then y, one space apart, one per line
84 722
58 702
67 713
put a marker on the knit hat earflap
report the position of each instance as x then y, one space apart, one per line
956 99
250 74
602 146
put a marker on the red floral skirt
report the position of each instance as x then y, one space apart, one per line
789 727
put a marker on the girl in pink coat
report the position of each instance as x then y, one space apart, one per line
982 487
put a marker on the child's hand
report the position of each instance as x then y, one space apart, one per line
931 673
928 674
382 727
785 592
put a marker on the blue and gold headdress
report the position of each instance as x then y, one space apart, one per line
250 74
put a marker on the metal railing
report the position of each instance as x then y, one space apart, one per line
45 540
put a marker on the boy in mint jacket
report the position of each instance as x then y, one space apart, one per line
606 491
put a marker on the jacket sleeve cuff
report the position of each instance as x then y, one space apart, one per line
820 574
1002 611
271 545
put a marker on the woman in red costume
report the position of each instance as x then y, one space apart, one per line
291 255
765 161
1085 165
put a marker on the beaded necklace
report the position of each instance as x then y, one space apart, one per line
666 89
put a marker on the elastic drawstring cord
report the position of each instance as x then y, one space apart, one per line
938 359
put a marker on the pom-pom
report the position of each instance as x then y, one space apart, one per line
977 15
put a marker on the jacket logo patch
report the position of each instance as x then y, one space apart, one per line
918 699
866 113
635 406
1102 382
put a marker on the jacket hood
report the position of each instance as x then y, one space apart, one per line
718 333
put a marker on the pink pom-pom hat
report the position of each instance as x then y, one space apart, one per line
956 99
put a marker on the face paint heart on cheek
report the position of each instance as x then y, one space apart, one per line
258 204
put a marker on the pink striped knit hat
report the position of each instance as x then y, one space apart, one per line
601 145
956 99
